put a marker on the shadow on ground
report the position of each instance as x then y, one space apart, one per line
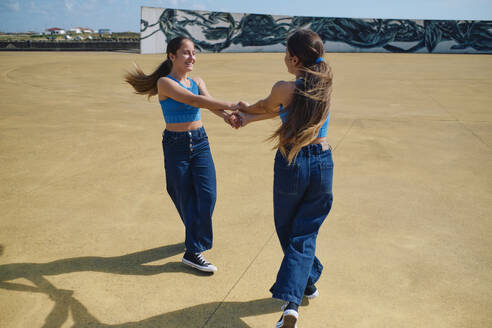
130 264
230 313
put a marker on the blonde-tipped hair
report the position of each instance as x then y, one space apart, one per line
311 101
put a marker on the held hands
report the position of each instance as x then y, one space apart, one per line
241 106
237 118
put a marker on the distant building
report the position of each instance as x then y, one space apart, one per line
76 30
56 30
79 30
104 31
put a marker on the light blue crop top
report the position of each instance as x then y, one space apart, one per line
177 112
323 131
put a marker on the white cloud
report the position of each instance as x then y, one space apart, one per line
12 5
35 9
69 4
89 4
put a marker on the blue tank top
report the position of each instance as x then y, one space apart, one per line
177 112
323 131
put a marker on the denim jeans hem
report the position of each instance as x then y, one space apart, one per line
316 275
287 298
313 281
198 250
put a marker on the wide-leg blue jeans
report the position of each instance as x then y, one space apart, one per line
191 183
302 200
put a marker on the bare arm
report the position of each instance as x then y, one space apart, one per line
281 94
247 118
168 88
203 91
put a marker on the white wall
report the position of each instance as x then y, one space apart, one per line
265 33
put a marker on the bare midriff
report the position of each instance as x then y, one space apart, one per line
185 126
188 126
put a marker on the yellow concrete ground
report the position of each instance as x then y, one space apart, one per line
90 238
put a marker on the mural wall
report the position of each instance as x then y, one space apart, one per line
232 32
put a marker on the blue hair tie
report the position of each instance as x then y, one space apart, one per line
319 60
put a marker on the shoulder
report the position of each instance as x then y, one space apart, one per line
284 86
165 82
283 91
198 80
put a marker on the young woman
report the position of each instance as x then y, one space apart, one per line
303 168
190 170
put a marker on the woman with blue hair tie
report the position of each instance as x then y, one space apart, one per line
303 169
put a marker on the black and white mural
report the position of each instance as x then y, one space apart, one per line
233 32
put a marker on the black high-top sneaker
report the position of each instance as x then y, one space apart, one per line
311 292
288 318
197 261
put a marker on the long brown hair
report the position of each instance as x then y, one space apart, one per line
147 84
311 101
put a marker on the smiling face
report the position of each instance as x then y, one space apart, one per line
184 58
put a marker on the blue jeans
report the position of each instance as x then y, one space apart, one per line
303 197
191 183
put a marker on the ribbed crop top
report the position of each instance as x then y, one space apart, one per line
323 131
177 112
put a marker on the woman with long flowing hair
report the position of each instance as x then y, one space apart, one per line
303 169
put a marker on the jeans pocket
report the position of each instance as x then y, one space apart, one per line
286 179
326 177
201 144
168 140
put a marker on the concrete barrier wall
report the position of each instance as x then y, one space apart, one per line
234 32
68 45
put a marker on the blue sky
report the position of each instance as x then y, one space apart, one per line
124 15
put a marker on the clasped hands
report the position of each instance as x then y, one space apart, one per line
237 118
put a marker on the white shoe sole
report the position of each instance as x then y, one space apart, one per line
289 320
313 295
210 268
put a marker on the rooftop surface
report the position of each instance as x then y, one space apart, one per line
90 238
